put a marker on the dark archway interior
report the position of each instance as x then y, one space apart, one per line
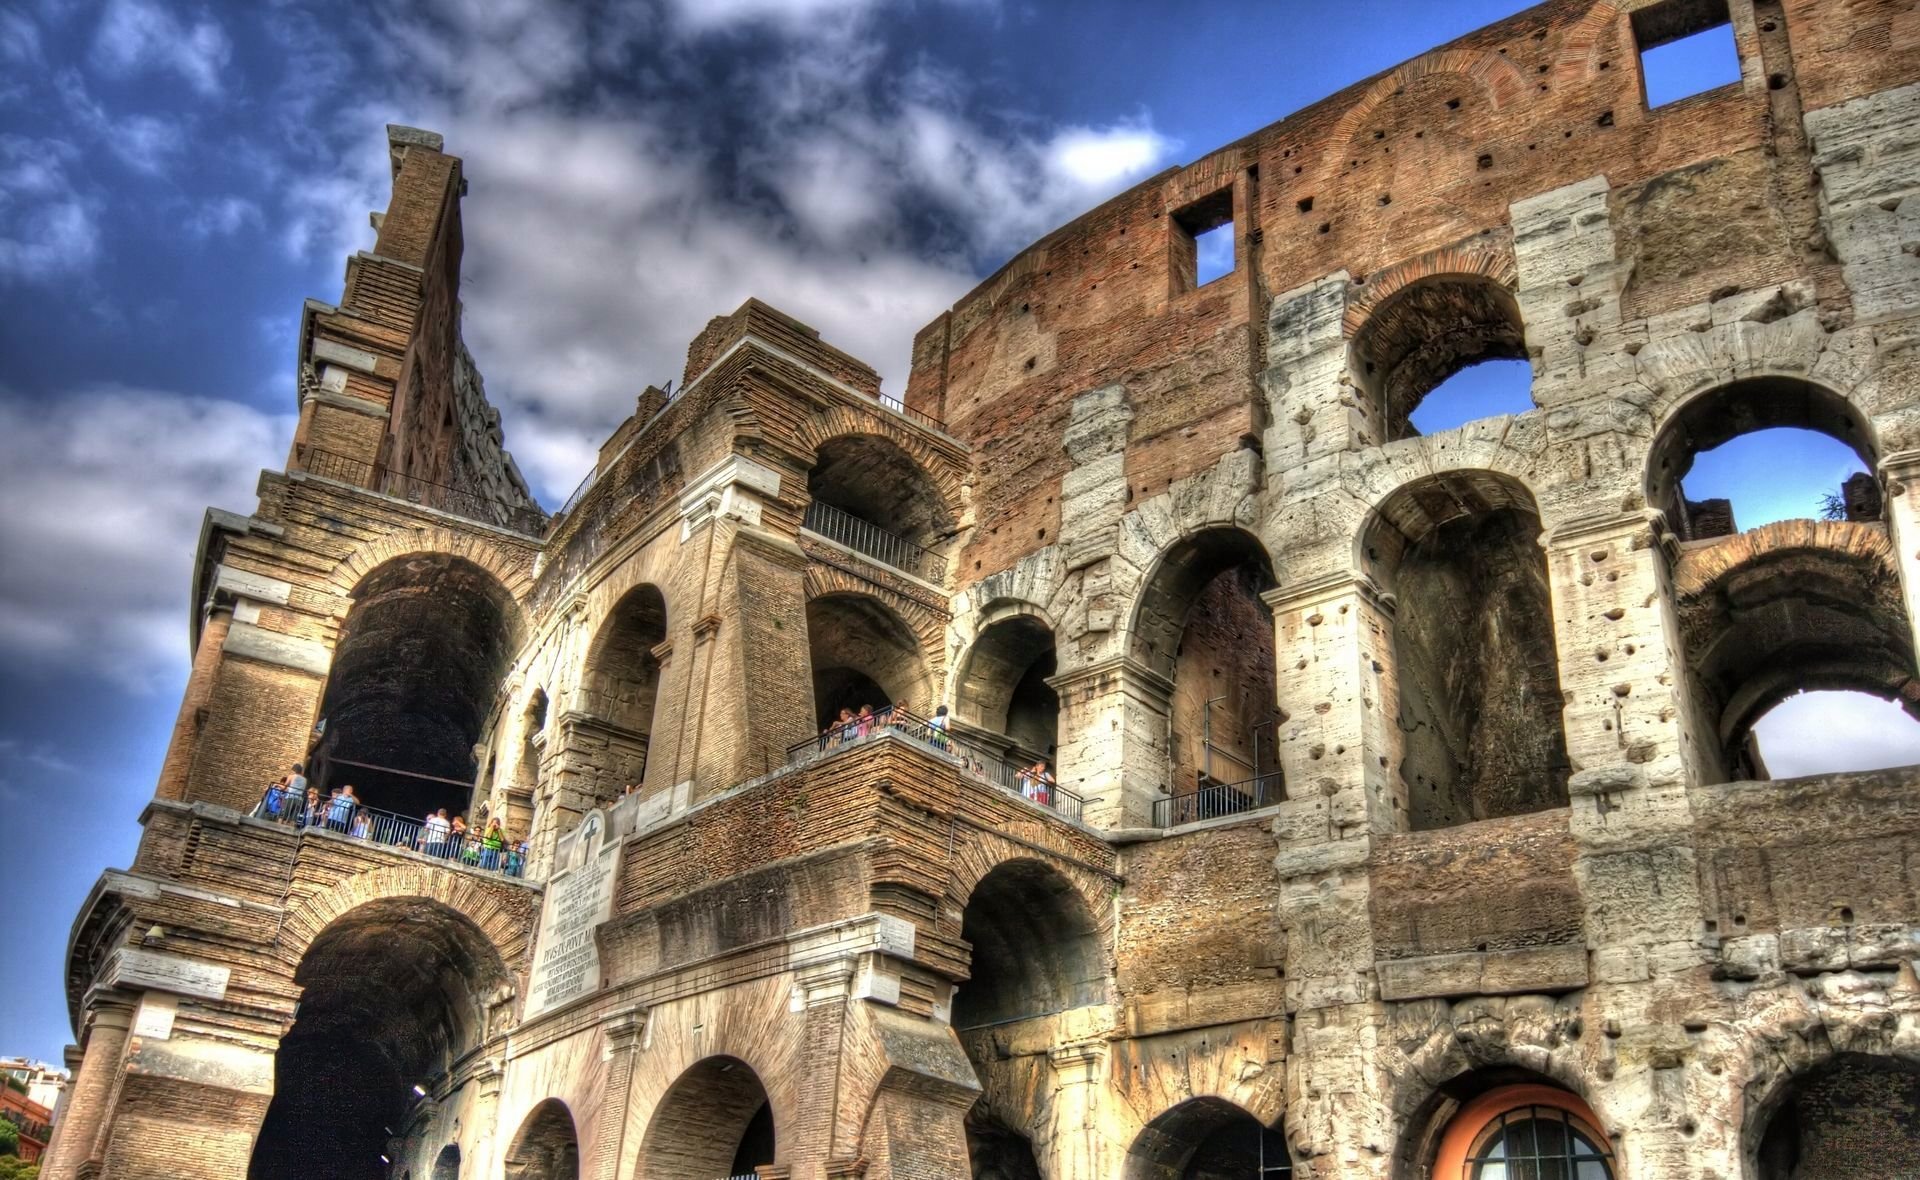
863 654
1425 333
1005 689
1036 948
1856 1116
997 1151
546 1147
414 675
622 685
1827 614
394 991
1708 421
1202 625
446 1166
869 478
1475 660
1208 1139
715 1121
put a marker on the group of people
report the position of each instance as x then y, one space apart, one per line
1035 782
290 800
850 725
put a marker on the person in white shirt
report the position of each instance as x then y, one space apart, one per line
434 833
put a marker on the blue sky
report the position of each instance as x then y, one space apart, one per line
176 177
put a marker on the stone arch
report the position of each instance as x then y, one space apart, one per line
1791 606
1425 321
818 429
1718 409
1199 624
1582 41
394 991
1831 1118
611 727
1000 684
715 1120
546 1146
446 1165
515 572
1500 1113
1038 948
504 914
1457 557
1208 1138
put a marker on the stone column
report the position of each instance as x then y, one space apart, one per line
1080 1145
484 1116
186 726
1113 739
822 991
1338 737
89 1109
1900 481
622 1032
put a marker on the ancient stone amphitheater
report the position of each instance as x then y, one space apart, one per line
1403 819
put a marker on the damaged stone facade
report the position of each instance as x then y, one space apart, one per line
1406 810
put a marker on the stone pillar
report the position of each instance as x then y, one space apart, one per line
622 1032
89 1109
186 726
484 1117
1080 1145
1339 737
822 991
1900 483
1113 739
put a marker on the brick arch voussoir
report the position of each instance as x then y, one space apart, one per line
1537 1033
843 421
1498 78
516 577
1581 43
982 852
505 920
928 627
1495 265
1865 545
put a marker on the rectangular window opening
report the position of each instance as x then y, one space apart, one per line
1686 48
1204 240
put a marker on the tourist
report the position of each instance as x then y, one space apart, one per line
274 799
297 781
340 808
899 716
1043 784
493 843
841 728
362 824
865 719
433 833
310 810
937 729
457 838
517 859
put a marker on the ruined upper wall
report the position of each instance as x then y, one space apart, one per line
1408 173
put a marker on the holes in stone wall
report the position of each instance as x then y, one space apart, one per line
1686 47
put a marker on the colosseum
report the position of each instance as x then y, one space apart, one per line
1133 752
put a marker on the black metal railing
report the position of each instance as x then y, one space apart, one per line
520 518
905 411
1217 800
983 765
870 539
435 837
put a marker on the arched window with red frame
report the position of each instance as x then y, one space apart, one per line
1524 1132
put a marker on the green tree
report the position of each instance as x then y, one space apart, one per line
9 1139
13 1168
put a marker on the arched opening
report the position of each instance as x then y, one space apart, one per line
1855 1115
1201 624
1485 389
996 1150
393 992
1004 686
870 496
1793 607
620 688
1825 732
1458 557
1740 456
1505 1124
447 1165
546 1147
715 1121
1424 334
863 654
419 660
1208 1139
1036 948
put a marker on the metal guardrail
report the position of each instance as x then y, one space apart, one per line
870 539
360 822
520 518
982 765
1218 800
912 415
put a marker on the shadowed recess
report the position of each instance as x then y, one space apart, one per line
394 993
997 1151
1425 333
622 681
1856 1116
546 1147
1036 948
863 654
870 478
1208 1139
420 657
1459 558
1004 687
715 1121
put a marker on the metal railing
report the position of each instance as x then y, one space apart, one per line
982 765
520 518
437 839
870 539
1217 800
901 408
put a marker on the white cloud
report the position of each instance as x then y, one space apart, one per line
711 15
19 38
47 226
105 490
1830 732
137 35
223 216
145 143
